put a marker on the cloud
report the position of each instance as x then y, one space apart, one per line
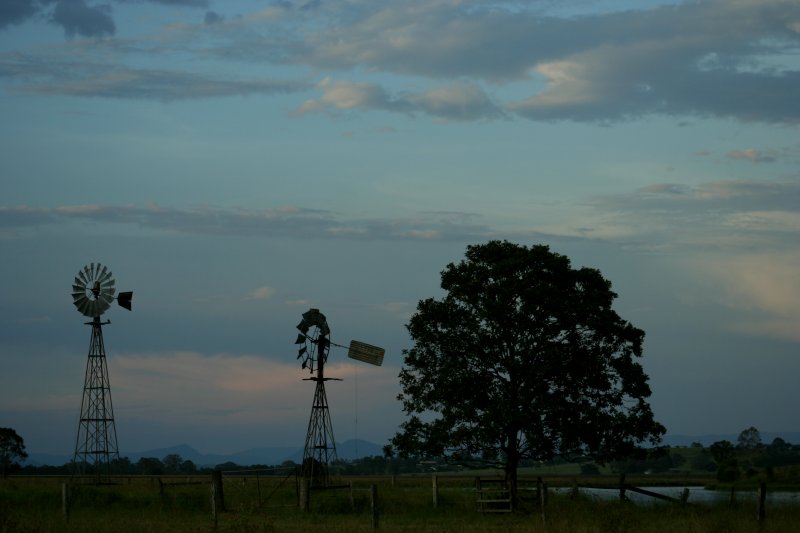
87 79
724 195
188 3
17 11
722 215
345 95
287 221
709 58
763 288
77 18
400 309
462 101
699 58
212 18
753 155
232 390
261 293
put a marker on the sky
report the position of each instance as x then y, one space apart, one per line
237 162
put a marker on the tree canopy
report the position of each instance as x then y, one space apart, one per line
523 358
12 447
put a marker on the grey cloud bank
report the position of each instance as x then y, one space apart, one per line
707 58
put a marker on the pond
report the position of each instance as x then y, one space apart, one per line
696 495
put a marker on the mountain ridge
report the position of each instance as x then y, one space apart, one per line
275 455
349 450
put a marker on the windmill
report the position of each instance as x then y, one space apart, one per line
96 444
314 338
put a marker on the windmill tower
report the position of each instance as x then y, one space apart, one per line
320 447
96 443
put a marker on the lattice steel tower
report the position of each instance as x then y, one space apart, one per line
320 448
96 443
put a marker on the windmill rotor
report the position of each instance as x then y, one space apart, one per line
314 338
93 291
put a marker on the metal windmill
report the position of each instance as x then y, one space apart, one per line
96 444
320 447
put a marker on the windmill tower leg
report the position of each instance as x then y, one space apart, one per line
320 449
96 443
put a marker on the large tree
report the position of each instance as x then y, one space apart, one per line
523 358
12 447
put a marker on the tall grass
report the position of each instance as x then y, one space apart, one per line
270 504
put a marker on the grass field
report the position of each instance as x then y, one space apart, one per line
142 503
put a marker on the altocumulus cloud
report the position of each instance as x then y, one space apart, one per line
462 101
703 58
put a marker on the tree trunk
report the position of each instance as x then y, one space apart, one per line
512 463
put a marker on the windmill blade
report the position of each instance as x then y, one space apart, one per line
82 275
78 283
78 289
83 306
102 273
367 353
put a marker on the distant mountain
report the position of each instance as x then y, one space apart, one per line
41 459
706 440
352 449
347 450
184 450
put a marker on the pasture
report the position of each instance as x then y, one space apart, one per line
405 503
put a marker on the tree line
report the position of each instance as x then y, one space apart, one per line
730 461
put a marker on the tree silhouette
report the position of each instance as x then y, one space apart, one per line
12 447
524 358
749 439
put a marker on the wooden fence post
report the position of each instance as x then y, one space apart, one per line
65 501
762 502
539 488
352 500
543 502
373 492
435 491
304 494
214 503
219 496
622 496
